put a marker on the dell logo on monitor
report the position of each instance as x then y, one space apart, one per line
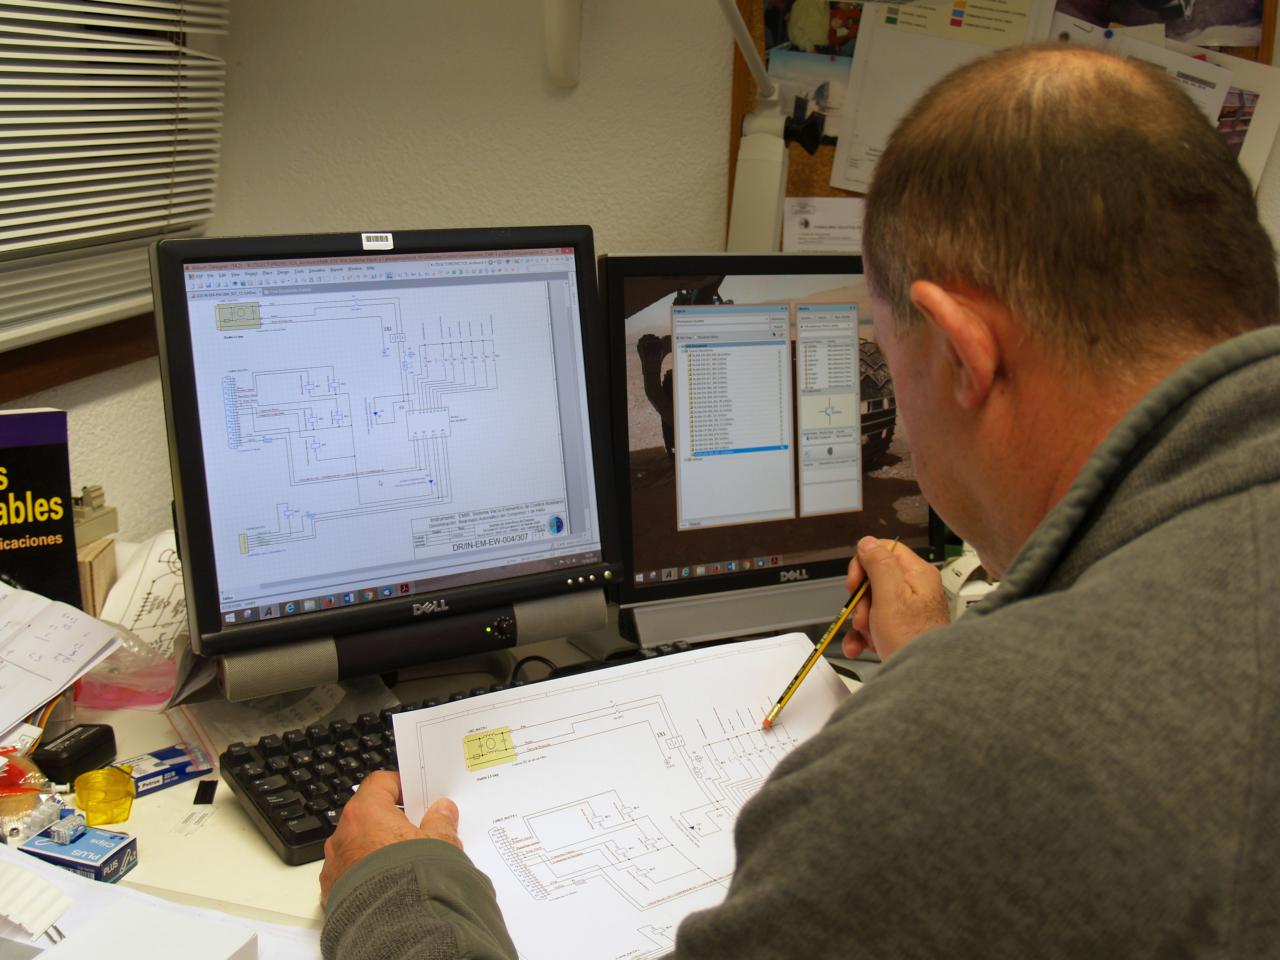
787 576
430 606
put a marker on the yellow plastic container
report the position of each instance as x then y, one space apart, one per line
105 795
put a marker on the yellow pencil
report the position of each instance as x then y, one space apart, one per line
813 657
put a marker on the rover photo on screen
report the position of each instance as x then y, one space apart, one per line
762 427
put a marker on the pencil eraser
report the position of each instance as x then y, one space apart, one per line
767 725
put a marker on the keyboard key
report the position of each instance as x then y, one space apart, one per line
349 766
294 740
271 745
318 734
237 755
270 784
301 758
282 798
304 829
290 811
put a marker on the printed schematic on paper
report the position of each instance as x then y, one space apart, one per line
604 803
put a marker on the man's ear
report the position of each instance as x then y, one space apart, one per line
964 327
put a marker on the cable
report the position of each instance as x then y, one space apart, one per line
532 658
41 717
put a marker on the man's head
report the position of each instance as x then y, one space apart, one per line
1086 193
1048 233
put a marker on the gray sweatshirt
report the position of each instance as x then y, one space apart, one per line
1083 766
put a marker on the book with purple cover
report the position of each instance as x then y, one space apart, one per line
37 530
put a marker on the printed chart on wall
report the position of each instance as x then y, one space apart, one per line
605 803
903 50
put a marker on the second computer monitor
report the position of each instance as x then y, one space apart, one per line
756 440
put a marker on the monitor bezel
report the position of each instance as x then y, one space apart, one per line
192 521
614 271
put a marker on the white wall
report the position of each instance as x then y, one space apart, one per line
399 114
395 114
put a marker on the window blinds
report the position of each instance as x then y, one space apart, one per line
109 136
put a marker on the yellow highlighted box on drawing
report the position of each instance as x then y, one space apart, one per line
488 748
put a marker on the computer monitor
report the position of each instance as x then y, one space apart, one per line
387 448
756 440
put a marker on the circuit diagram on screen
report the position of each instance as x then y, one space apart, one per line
389 406
392 444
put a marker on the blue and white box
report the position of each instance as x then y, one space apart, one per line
97 854
164 767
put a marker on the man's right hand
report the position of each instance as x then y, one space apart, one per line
373 819
904 601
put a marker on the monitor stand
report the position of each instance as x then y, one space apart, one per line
756 612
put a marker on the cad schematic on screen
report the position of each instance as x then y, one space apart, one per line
737 412
389 418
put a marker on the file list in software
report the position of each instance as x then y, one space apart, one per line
736 412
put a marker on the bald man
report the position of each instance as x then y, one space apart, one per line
1078 306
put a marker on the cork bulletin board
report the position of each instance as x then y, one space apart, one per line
809 176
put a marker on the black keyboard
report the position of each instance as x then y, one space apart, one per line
294 784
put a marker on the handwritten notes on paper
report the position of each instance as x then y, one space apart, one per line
45 646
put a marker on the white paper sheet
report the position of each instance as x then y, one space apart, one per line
142 930
902 51
604 803
148 596
1206 79
822 225
1254 98
45 646
94 904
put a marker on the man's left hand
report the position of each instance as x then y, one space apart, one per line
372 820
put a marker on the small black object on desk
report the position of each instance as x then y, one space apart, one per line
86 746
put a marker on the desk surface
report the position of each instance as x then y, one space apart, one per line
224 862
220 861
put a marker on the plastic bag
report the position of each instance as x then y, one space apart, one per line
27 803
134 677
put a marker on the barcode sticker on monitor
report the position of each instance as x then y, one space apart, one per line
377 241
